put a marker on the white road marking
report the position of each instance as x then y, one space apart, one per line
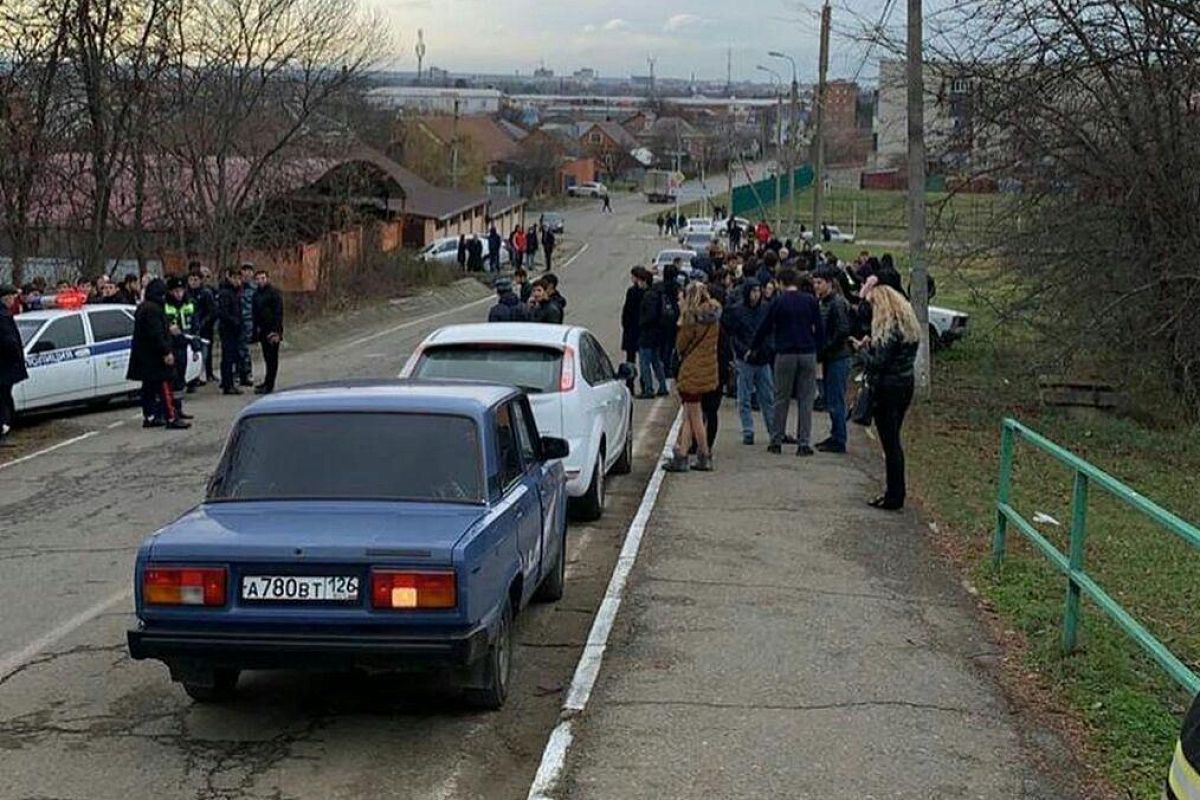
412 323
15 661
571 260
49 449
588 670
116 424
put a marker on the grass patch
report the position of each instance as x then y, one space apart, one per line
1130 708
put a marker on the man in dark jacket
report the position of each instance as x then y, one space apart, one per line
794 319
474 254
548 245
268 327
152 361
631 312
550 283
229 328
508 306
461 256
541 309
204 300
494 242
835 356
531 247
12 362
742 320
650 341
246 303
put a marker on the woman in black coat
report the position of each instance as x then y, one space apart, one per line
152 361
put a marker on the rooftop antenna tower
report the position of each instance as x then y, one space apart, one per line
729 71
652 61
420 49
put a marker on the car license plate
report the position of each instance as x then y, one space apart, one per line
299 588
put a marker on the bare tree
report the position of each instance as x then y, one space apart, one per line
253 82
33 38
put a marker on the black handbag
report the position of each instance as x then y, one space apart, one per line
863 412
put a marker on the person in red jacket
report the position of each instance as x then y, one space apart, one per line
762 232
518 247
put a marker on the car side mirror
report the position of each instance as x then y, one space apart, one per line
626 372
44 346
554 448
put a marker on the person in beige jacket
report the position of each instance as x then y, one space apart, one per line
697 345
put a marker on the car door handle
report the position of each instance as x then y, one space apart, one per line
521 515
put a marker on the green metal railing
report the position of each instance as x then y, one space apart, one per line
1071 564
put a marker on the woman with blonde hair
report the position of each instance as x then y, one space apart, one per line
697 344
888 356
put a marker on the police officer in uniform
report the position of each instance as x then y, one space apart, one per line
181 315
12 362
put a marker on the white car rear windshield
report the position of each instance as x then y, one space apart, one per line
352 456
537 370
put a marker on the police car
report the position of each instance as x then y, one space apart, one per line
79 355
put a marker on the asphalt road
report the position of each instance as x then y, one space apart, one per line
79 719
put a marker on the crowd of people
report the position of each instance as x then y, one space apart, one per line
521 300
173 315
773 325
521 248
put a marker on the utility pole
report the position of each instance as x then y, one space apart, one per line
454 148
651 60
819 158
420 49
916 189
778 156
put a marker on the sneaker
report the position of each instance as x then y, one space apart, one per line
747 438
824 442
245 382
830 447
704 463
676 463
153 423
231 390
262 390
790 439
774 449
177 425
663 393
805 451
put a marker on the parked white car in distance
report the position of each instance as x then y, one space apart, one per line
946 326
835 235
445 250
587 189
666 257
698 225
575 392
79 355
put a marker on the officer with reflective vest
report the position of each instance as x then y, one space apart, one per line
181 313
1183 782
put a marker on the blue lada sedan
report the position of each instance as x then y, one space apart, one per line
383 526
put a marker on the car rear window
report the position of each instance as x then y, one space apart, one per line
537 370
352 456
27 328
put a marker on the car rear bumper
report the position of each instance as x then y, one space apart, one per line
284 650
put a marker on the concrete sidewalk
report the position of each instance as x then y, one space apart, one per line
781 639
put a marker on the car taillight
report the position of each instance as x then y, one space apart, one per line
566 382
401 589
184 586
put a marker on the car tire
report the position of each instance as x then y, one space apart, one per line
552 588
590 507
624 464
497 671
222 690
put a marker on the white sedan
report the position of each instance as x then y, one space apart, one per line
669 256
835 235
445 250
587 189
699 225
575 392
79 355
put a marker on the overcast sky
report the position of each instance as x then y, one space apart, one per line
615 37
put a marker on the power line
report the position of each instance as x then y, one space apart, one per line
884 18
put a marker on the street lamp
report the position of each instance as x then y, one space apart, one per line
791 134
779 146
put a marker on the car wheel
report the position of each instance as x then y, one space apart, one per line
624 464
590 507
222 690
498 667
555 584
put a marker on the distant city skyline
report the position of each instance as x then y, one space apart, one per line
615 37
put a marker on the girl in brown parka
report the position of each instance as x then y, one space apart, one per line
697 345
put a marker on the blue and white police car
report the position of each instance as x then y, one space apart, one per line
79 355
